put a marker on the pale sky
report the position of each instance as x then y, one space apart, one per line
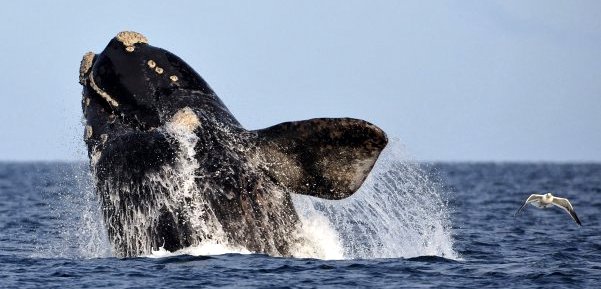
453 80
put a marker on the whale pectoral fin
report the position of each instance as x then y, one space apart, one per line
325 157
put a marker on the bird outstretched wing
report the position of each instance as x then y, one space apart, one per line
565 204
532 198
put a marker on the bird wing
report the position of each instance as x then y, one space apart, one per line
565 204
532 198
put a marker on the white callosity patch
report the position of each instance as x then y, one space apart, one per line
185 119
151 64
129 38
84 67
398 212
159 70
101 92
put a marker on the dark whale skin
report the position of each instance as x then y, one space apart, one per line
134 94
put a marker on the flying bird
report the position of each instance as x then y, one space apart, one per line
546 200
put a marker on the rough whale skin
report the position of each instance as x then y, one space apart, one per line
173 167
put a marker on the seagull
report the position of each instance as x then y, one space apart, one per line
546 200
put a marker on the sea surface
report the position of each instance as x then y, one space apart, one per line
440 225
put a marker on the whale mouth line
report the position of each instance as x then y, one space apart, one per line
128 114
107 97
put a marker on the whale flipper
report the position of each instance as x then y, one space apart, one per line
327 158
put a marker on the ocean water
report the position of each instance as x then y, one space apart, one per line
411 225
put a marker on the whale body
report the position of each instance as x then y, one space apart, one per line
174 168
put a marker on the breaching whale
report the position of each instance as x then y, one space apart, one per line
173 168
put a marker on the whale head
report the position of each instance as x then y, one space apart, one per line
143 85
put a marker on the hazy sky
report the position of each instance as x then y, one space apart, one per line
453 80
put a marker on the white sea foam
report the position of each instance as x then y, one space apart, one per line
208 248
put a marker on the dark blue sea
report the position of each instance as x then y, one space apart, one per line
51 237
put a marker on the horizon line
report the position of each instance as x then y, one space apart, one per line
421 161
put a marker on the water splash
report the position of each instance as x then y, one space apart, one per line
321 240
81 232
90 236
398 212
